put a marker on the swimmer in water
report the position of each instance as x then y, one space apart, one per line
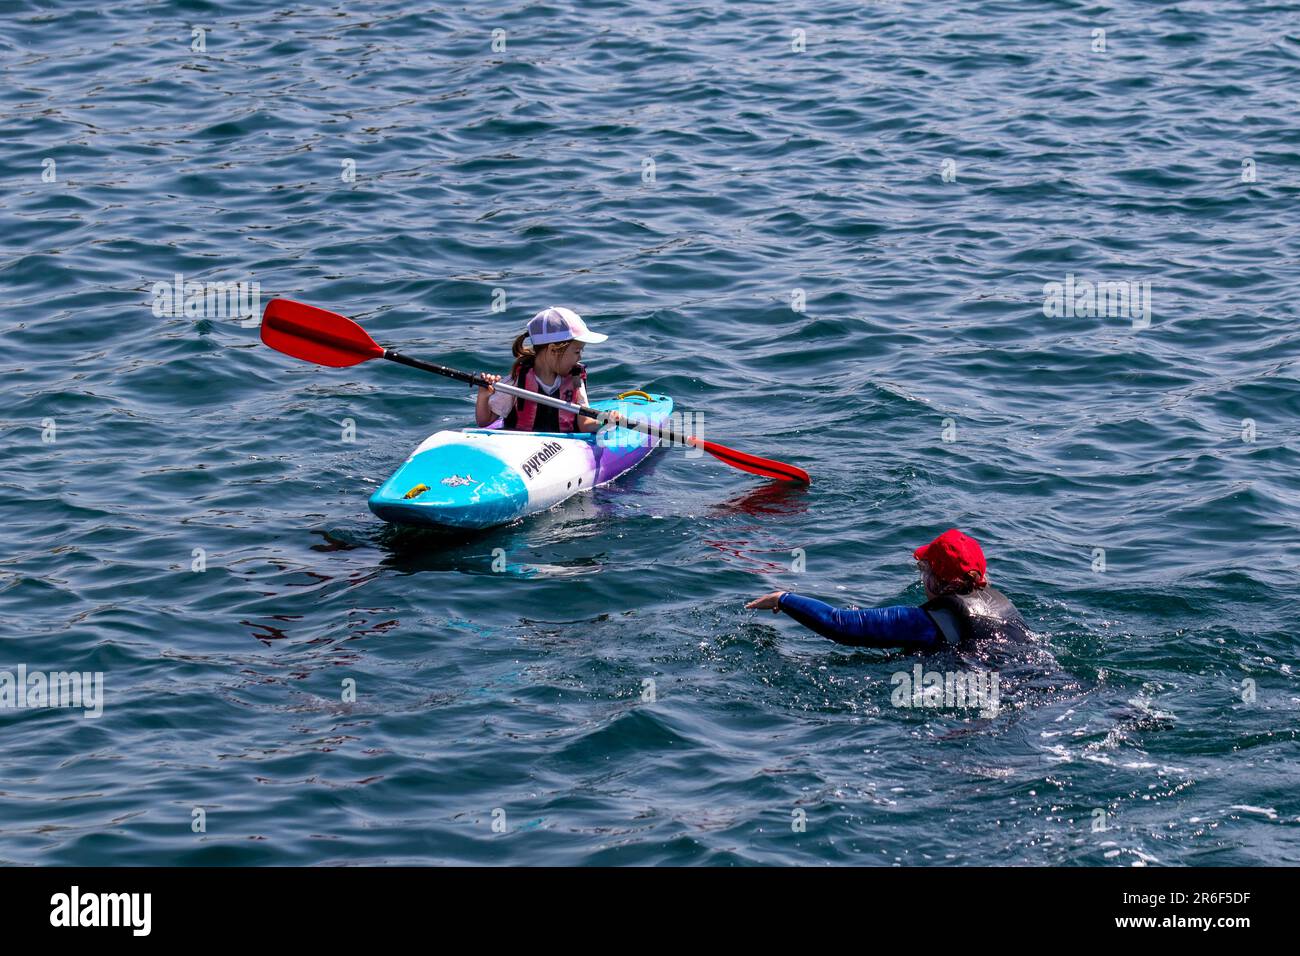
960 606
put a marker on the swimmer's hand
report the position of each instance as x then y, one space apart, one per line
766 602
492 380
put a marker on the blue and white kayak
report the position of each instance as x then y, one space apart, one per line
482 477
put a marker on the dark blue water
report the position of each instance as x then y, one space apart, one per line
683 177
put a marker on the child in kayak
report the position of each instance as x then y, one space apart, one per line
960 605
547 360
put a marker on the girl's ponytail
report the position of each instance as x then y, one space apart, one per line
521 352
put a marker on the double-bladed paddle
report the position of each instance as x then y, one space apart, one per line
330 339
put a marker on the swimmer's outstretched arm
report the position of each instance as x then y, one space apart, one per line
903 626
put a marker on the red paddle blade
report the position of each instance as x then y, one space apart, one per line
753 464
314 335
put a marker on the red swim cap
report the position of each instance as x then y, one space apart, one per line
953 556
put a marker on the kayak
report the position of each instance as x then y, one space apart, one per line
483 477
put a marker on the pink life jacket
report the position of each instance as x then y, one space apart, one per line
533 417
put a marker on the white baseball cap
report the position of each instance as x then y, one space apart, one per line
558 324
